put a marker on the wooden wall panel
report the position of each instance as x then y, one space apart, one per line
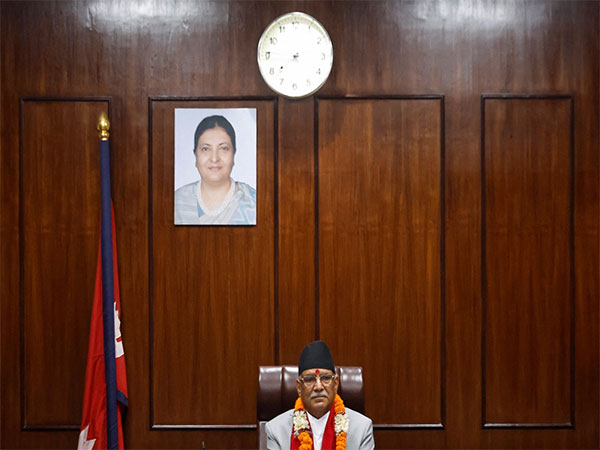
457 50
528 261
380 226
59 194
213 288
296 189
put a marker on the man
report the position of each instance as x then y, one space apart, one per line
319 421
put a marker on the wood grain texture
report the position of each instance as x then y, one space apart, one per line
135 50
297 321
212 289
380 252
60 191
528 261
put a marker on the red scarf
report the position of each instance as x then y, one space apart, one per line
328 435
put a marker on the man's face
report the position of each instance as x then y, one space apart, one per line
318 398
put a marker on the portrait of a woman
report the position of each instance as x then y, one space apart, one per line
216 198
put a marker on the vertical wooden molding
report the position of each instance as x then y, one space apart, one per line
441 99
21 236
484 422
151 101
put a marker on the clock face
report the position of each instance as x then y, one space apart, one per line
295 55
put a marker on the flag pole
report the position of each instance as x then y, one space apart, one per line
108 299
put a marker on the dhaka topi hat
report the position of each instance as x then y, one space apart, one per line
315 355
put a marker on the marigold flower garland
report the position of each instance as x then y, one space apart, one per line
341 423
302 431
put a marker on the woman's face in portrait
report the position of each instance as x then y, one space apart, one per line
214 156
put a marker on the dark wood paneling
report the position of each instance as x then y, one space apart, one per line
527 261
297 325
59 226
380 224
213 288
462 49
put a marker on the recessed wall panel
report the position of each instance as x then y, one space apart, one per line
527 261
213 289
380 253
59 224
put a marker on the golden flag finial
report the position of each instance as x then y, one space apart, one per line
103 127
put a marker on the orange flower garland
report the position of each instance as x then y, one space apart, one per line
341 423
302 425
305 441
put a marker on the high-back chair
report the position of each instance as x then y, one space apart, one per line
277 393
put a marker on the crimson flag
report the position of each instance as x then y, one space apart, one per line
105 398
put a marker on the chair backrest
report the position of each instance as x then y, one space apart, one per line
277 392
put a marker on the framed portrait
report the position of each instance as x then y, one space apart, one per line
215 166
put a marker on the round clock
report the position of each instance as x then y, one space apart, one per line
295 55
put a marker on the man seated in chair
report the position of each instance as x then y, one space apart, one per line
319 421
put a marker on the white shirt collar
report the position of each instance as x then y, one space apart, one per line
318 429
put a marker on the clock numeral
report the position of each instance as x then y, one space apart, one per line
307 82
271 71
319 71
273 40
295 86
295 24
281 81
318 40
322 55
268 55
282 29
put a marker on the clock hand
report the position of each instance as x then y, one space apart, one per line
295 57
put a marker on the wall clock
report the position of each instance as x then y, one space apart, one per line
295 55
